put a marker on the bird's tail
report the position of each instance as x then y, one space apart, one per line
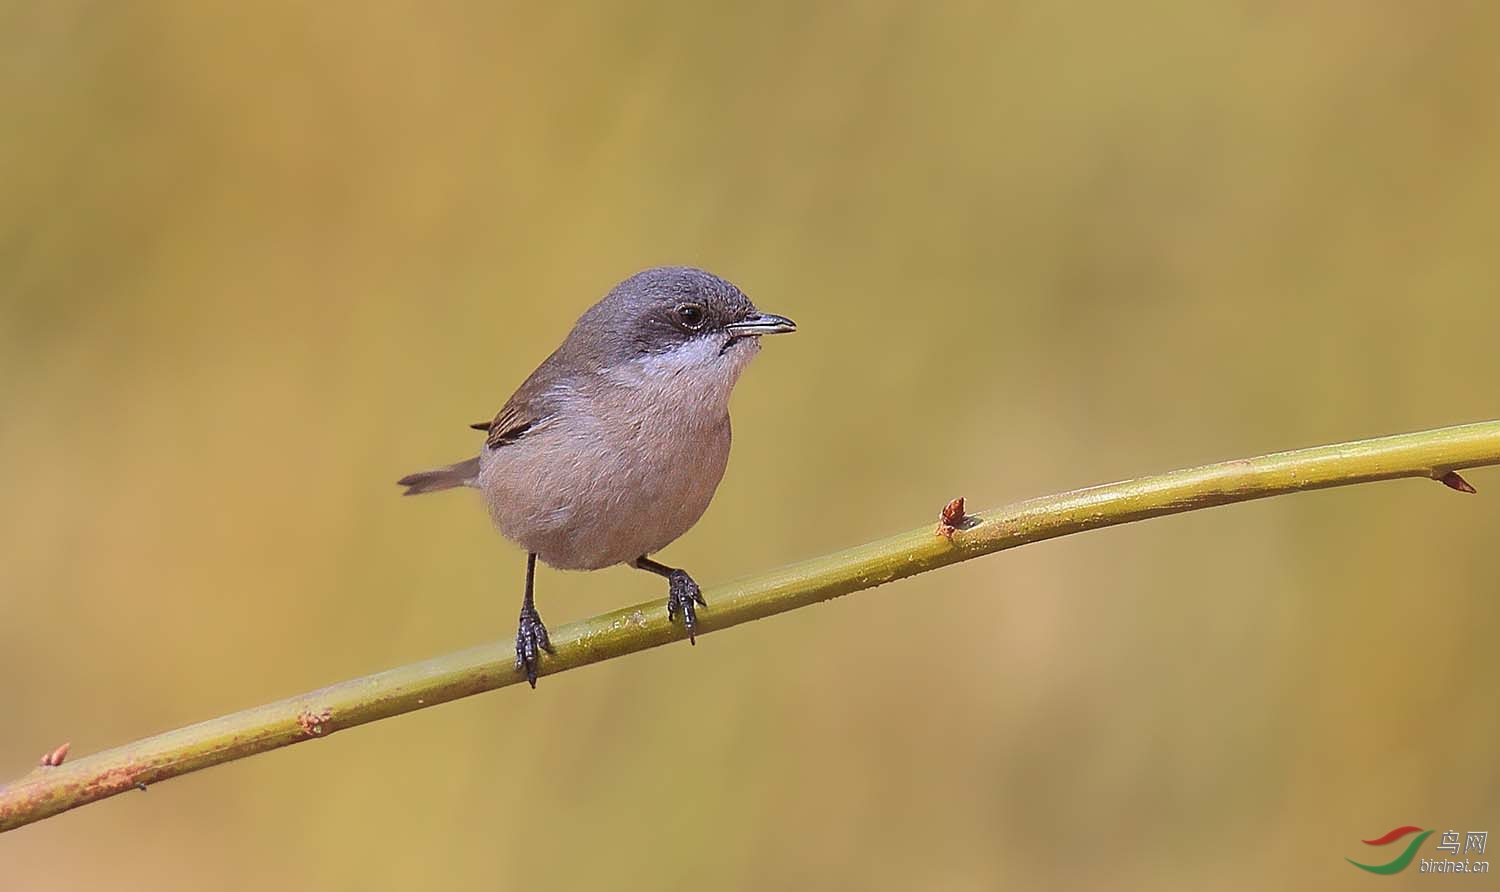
465 473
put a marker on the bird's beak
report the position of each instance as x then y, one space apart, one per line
761 324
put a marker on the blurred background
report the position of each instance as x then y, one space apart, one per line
257 264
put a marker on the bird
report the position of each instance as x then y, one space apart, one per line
614 446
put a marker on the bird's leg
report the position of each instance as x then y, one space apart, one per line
682 594
531 635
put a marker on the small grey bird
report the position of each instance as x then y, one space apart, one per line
614 446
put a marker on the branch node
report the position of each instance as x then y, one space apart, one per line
1453 480
312 723
951 518
56 757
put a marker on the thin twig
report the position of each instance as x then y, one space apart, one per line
1435 454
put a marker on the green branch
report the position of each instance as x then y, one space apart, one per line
1436 454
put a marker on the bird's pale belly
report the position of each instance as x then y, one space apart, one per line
581 505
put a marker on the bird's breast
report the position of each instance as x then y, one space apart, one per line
611 477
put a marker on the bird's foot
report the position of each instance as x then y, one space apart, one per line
681 596
531 639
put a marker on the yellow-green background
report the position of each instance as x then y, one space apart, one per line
259 260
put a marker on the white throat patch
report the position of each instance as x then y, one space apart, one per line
700 370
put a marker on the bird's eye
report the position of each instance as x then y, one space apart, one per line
690 316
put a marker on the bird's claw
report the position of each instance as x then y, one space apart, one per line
531 639
682 594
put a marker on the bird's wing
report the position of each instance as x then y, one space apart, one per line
533 403
511 424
